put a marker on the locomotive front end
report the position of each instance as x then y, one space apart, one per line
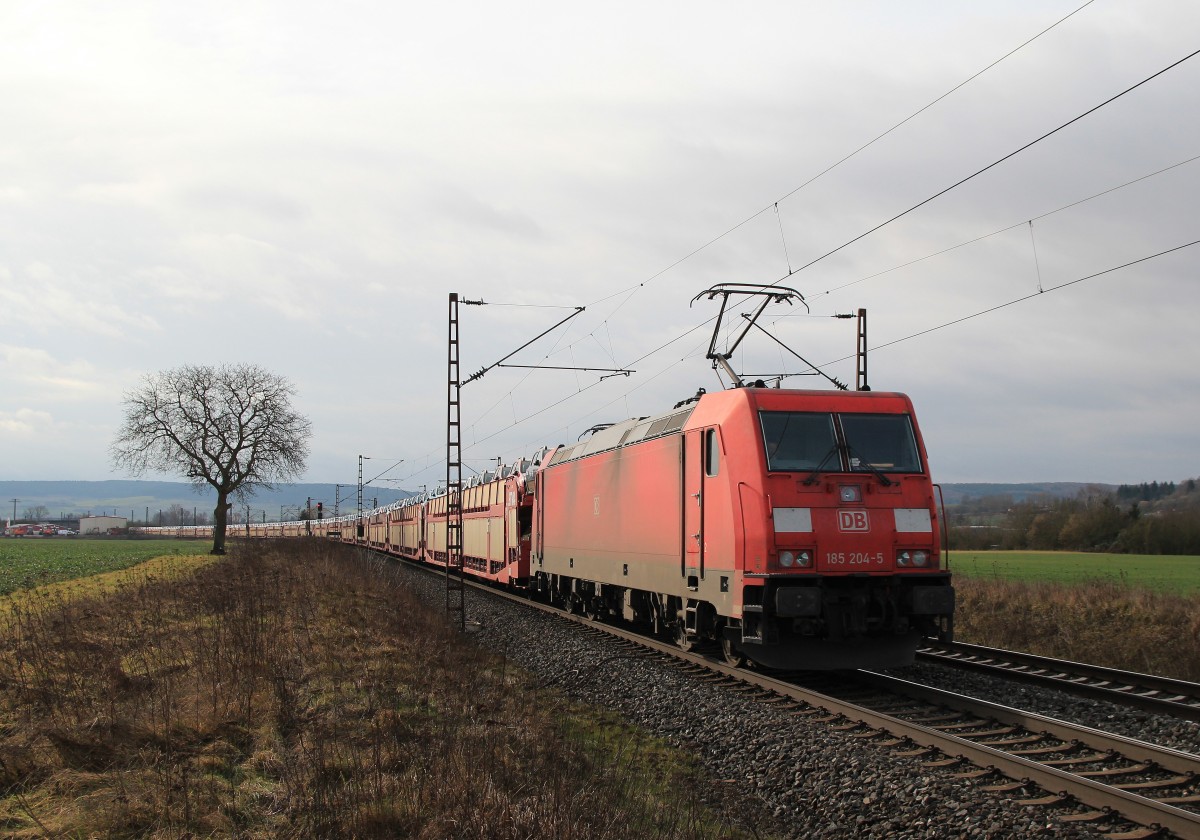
846 571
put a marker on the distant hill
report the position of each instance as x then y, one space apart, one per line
958 493
67 499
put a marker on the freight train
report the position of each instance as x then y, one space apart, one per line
797 529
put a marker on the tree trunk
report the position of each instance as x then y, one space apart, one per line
220 520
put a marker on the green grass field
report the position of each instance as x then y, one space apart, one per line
1179 575
29 562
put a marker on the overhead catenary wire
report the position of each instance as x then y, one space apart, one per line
532 305
997 162
552 352
1023 298
631 290
1013 226
925 108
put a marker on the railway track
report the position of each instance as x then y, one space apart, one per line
1160 695
1149 786
1086 775
1152 786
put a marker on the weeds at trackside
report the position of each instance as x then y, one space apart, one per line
1099 622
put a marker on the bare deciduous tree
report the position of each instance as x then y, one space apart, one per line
231 428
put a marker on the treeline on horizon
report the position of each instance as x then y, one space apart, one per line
1151 492
1147 518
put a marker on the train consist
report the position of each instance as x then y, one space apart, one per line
797 529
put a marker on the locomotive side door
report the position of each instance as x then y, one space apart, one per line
693 508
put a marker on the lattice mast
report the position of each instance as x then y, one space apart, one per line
455 582
455 588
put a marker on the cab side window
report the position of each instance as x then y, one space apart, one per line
712 458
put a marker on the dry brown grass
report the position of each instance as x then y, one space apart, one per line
301 695
1099 623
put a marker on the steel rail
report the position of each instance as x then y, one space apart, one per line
1162 695
1170 759
1133 807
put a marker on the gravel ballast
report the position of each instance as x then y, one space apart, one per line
779 773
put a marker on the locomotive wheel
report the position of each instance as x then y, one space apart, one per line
682 640
730 653
560 599
591 610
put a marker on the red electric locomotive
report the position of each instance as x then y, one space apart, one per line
796 528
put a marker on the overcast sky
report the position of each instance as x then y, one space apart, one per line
300 185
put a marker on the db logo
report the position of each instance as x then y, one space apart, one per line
853 520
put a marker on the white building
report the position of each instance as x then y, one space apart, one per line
101 524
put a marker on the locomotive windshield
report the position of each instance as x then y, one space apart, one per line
797 441
883 442
821 442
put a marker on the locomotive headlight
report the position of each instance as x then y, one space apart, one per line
786 559
912 558
803 559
